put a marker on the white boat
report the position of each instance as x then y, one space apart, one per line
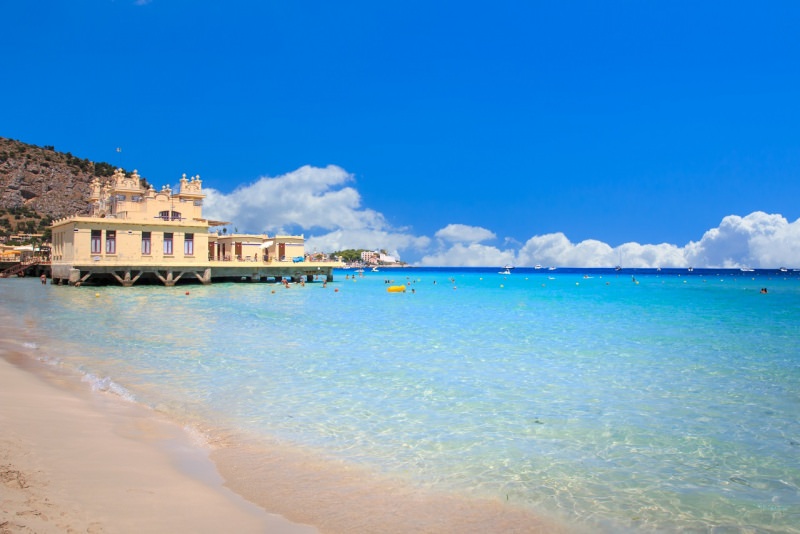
507 270
537 266
783 270
551 268
747 270
375 270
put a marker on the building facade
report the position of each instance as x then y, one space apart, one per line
134 231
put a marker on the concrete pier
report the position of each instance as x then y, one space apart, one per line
100 273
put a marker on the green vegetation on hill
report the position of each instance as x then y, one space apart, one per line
350 255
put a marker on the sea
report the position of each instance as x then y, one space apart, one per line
628 400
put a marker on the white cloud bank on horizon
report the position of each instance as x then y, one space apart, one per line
320 203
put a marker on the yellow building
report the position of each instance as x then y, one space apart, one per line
251 247
134 233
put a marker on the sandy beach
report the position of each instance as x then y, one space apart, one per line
75 461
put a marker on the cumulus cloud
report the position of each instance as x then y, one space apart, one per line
758 240
312 200
310 197
468 255
557 250
323 204
461 233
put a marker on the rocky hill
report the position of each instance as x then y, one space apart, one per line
38 184
50 183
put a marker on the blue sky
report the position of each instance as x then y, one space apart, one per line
452 133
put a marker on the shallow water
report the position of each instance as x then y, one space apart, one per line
668 403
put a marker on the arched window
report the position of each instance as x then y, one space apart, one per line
167 215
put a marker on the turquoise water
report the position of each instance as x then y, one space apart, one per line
666 404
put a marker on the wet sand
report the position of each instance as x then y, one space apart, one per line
76 461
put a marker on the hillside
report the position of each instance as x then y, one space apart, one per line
38 184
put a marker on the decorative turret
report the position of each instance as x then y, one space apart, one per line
94 195
130 197
123 184
191 188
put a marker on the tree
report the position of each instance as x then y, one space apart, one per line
349 255
103 169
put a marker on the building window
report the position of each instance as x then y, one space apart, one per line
168 243
96 236
111 241
167 215
146 243
188 245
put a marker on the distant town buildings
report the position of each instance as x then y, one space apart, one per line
377 258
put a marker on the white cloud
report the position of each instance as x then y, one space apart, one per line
310 197
557 250
461 233
757 240
468 255
322 204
